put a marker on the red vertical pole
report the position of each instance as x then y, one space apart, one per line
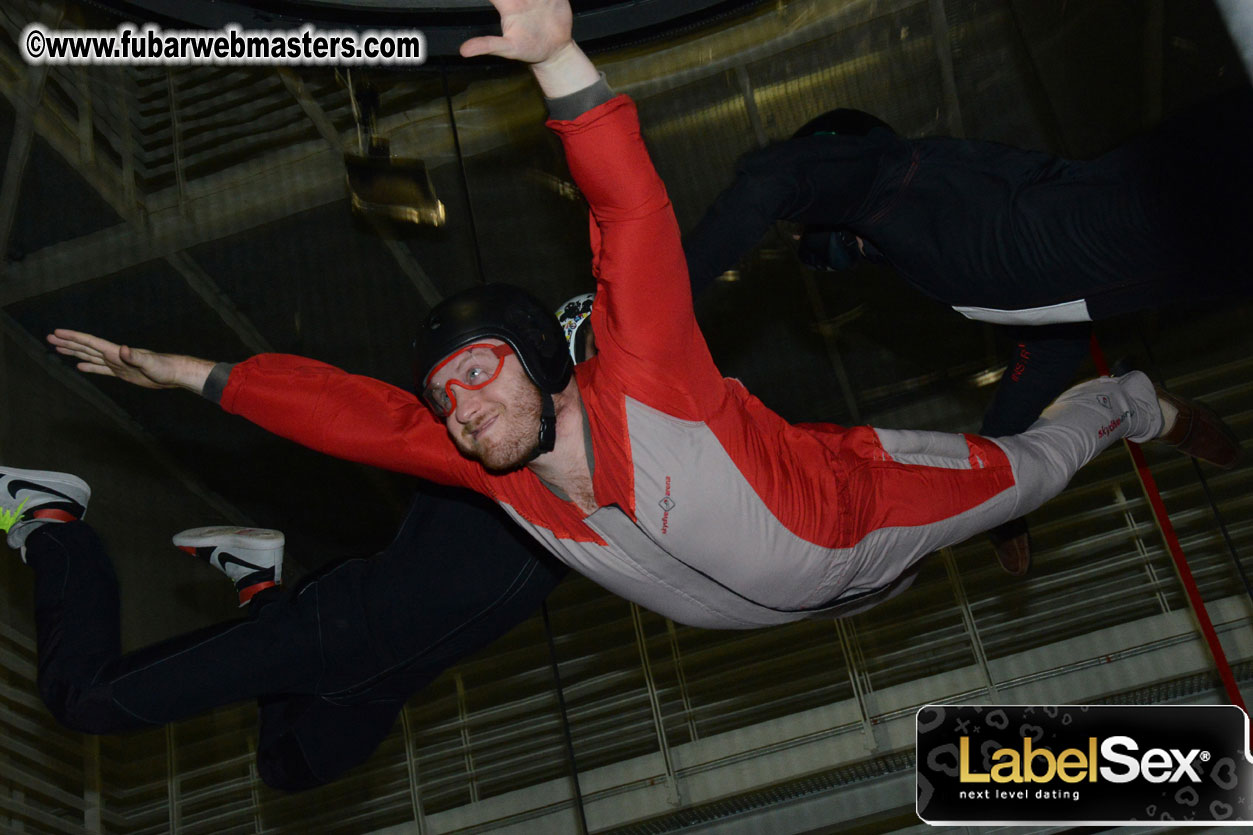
1176 553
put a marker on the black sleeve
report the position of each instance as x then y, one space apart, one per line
817 180
1042 363
738 218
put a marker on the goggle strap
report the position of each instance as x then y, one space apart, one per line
547 426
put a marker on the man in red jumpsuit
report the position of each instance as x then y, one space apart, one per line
645 469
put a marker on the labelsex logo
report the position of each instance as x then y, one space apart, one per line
1039 765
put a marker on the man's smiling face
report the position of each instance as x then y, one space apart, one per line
490 406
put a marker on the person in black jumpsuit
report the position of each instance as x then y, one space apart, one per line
1020 238
332 660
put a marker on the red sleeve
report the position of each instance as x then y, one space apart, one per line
345 415
643 317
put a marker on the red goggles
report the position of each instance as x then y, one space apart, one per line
477 365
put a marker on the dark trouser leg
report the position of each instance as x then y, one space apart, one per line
1041 366
77 622
89 686
360 638
307 741
458 575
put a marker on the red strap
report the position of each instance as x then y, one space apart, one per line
53 514
249 592
1176 552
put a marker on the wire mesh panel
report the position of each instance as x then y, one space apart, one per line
43 767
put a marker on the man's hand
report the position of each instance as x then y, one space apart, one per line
146 369
537 32
531 31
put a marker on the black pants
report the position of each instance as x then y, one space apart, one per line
1042 364
331 661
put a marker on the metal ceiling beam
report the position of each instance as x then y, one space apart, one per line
215 142
86 122
132 201
25 105
166 234
19 152
176 136
301 184
126 204
409 266
296 87
218 207
103 179
211 294
247 94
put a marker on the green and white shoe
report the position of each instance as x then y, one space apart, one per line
30 498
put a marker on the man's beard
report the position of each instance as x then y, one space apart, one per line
514 436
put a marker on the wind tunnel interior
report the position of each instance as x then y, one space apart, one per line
202 210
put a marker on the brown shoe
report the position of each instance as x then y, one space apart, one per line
1198 431
1012 544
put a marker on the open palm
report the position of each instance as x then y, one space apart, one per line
100 356
531 31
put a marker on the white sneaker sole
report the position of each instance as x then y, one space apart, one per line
226 536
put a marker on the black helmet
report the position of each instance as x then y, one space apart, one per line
497 311
843 121
507 313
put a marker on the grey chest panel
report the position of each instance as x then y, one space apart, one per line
695 504
705 551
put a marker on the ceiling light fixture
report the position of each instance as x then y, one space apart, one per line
381 185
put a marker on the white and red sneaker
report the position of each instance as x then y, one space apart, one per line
30 498
251 557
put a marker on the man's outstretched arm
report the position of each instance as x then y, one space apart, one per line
736 221
316 405
147 369
637 254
